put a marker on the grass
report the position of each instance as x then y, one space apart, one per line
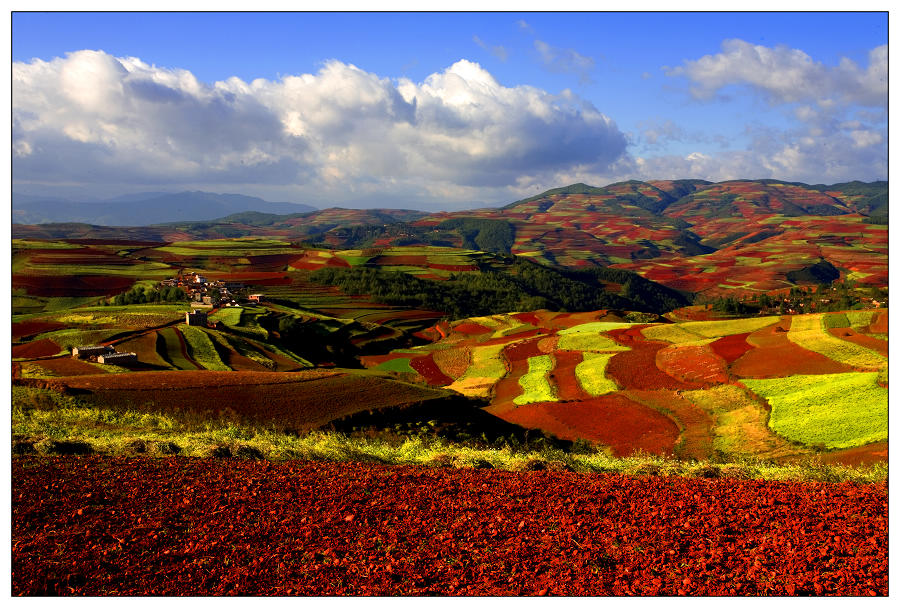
860 318
68 338
535 383
831 410
400 364
591 374
228 316
202 349
40 416
169 347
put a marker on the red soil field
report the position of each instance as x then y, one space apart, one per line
301 400
695 424
692 364
92 526
521 351
67 366
400 260
468 328
776 356
613 420
850 335
862 455
72 286
563 376
144 346
453 267
636 368
38 348
731 348
429 370
880 324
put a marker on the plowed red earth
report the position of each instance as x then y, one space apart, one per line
613 420
98 526
72 286
42 348
33 328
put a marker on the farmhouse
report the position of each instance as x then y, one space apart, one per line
195 317
115 358
83 352
256 297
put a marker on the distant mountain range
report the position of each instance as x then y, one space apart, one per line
144 208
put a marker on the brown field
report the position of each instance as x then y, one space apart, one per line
24 329
39 348
776 356
696 426
851 335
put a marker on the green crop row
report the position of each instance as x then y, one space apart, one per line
483 372
535 383
228 316
834 320
169 347
400 364
202 349
832 410
594 327
591 374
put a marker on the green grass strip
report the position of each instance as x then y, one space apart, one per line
591 374
833 410
594 342
169 346
400 364
594 327
535 383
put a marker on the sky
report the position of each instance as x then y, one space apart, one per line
441 110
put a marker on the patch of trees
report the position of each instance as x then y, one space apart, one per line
516 285
497 236
139 295
820 272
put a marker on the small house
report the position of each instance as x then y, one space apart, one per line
83 352
196 318
255 297
116 358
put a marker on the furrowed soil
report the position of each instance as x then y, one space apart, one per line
91 526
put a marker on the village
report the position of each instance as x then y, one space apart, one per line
205 296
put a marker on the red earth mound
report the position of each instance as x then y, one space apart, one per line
563 376
38 348
90 526
692 364
429 370
613 420
67 366
696 438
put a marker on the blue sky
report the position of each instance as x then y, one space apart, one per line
441 110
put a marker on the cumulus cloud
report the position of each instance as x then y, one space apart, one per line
91 117
565 61
787 75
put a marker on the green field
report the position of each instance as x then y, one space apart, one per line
591 374
831 410
169 346
400 364
483 372
535 383
594 327
202 349
595 342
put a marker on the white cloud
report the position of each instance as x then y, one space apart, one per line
94 118
497 51
565 61
787 75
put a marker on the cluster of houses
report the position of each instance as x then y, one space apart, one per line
210 293
106 355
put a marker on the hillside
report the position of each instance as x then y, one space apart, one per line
142 209
731 238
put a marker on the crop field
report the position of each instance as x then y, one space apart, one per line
836 410
591 374
201 348
484 370
535 385
172 347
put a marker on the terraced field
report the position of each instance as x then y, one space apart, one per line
714 381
